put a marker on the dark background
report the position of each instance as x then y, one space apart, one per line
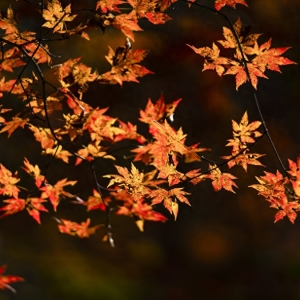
225 246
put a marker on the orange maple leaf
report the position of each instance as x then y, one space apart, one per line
12 125
257 58
8 182
221 180
43 135
158 111
169 199
11 59
81 230
243 133
56 16
8 22
58 152
212 59
295 173
131 181
270 58
54 192
125 65
148 9
34 171
7 279
136 208
127 23
273 188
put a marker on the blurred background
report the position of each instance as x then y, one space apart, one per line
226 245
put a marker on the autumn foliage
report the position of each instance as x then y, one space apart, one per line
63 122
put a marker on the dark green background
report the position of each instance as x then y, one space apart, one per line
225 246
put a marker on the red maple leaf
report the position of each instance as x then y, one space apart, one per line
5 280
273 188
14 205
34 206
220 3
108 5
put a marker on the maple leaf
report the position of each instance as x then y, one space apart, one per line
79 30
246 40
39 53
243 133
212 59
127 23
108 5
169 199
14 205
101 126
148 9
157 111
143 153
295 173
220 3
241 75
8 22
132 182
273 188
34 171
8 182
11 59
124 65
79 107
137 208
244 159
221 180
12 125
58 152
129 132
53 104
54 192
267 58
56 16
95 202
81 230
34 206
43 135
5 280
288 209
169 171
167 145
91 151
191 154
